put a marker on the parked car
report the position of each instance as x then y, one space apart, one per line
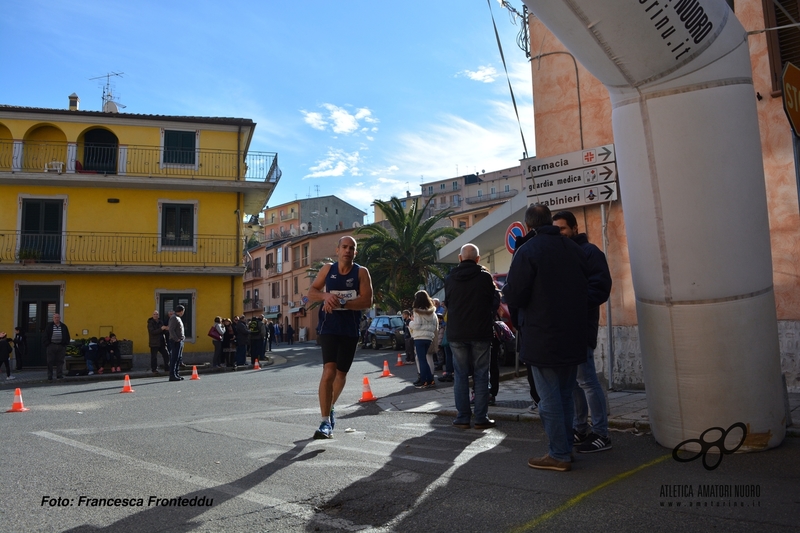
386 330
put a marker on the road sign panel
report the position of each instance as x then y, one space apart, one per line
791 95
535 167
604 192
572 179
515 230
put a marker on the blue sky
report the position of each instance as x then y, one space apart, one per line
360 99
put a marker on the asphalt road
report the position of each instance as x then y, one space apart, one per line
235 450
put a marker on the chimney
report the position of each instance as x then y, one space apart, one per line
74 102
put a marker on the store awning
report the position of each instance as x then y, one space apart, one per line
271 315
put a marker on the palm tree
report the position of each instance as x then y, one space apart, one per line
403 257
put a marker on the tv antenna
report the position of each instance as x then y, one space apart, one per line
109 104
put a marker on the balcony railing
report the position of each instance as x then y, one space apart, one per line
119 249
288 216
492 196
256 273
257 303
137 160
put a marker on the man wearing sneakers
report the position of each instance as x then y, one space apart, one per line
344 288
588 386
547 283
472 299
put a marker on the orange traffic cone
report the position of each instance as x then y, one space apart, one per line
194 373
256 366
126 387
386 373
399 360
367 396
17 406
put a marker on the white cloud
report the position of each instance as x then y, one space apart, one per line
336 163
485 74
314 119
340 120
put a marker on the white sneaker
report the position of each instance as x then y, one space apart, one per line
90 373
11 377
532 408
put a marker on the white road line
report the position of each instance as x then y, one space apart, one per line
300 511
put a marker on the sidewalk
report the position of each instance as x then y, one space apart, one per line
627 409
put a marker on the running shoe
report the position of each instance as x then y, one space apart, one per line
595 443
324 432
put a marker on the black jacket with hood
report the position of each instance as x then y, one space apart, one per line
472 299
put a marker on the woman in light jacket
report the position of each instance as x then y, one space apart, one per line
424 326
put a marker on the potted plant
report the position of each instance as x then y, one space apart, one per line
29 255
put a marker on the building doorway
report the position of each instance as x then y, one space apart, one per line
100 149
37 305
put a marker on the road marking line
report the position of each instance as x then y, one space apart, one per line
300 511
577 499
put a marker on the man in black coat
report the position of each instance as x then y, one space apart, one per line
547 284
588 395
472 299
56 339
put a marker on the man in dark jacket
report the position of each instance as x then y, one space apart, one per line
242 339
155 333
56 339
588 386
547 283
472 300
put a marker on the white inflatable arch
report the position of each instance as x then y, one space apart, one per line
693 194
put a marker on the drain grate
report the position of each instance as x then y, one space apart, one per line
513 404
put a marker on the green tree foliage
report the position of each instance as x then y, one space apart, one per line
404 256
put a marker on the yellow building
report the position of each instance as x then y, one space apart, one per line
111 215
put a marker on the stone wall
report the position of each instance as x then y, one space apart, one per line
628 374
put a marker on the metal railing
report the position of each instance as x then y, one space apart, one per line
77 248
289 216
255 273
491 196
137 160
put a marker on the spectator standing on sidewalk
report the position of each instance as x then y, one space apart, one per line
547 283
176 337
242 339
56 339
158 345
5 353
588 394
471 299
424 327
20 347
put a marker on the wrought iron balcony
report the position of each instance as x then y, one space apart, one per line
119 249
491 197
256 273
137 160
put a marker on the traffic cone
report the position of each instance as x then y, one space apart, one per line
399 360
256 366
126 387
17 406
194 373
367 396
386 373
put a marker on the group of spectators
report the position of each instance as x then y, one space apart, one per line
239 338
15 348
555 285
